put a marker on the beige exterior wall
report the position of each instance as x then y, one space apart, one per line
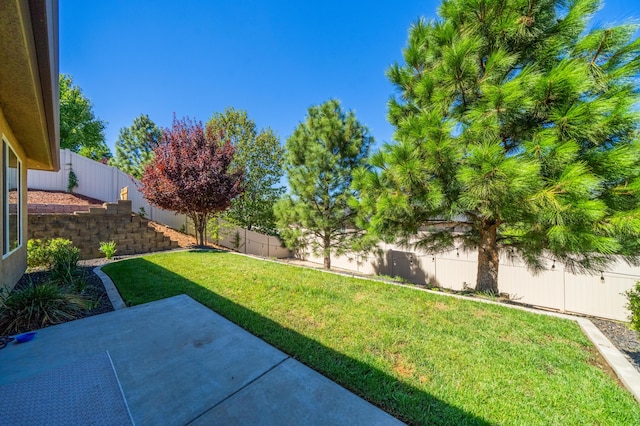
13 266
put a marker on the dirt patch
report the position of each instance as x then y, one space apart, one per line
596 359
184 240
56 202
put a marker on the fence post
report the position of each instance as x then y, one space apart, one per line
65 176
393 263
564 289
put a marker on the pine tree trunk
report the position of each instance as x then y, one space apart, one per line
488 260
327 251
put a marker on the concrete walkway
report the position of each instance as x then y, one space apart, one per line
180 363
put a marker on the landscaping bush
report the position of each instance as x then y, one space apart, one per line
108 248
59 254
34 307
64 260
634 306
38 254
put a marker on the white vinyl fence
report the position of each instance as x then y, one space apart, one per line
250 242
601 294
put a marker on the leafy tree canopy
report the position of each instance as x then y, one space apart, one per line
516 132
322 152
261 156
135 145
191 173
80 130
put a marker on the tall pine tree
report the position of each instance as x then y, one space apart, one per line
135 145
322 154
516 132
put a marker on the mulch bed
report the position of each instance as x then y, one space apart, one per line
94 290
37 196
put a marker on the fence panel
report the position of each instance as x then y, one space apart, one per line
544 289
599 295
250 242
51 181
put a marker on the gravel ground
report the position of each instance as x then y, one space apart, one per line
626 340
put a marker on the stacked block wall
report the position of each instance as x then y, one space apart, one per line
112 222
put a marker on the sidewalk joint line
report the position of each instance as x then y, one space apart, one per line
240 389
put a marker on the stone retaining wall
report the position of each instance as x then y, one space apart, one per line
58 208
112 222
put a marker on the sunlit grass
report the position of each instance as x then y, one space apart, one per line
424 358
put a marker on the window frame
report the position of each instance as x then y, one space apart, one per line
6 243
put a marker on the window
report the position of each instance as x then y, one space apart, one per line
11 197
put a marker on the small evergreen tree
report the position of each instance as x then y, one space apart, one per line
516 131
135 145
322 152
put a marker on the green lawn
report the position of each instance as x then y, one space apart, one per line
424 358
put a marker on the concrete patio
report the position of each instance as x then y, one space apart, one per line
176 363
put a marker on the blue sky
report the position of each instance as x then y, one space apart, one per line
274 59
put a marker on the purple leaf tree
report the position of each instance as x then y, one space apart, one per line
191 173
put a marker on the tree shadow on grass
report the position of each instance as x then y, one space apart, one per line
399 399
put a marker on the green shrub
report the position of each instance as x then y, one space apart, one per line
78 283
38 254
73 181
34 307
64 260
633 296
108 248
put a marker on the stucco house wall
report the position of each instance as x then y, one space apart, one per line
29 113
12 266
